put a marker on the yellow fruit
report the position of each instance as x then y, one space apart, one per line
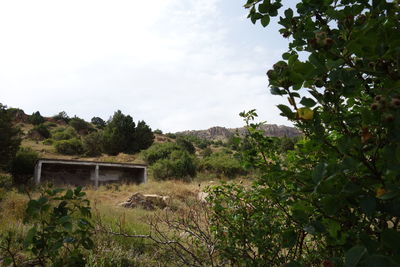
380 192
305 113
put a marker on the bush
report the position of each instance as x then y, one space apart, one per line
41 130
10 138
62 116
80 125
170 135
23 165
159 151
185 144
122 135
6 181
72 146
180 165
98 122
61 230
157 131
335 199
48 142
36 118
222 164
62 133
92 144
50 124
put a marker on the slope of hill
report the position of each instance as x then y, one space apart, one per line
223 134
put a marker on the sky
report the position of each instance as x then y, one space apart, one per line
176 64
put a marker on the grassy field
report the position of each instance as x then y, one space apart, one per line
108 216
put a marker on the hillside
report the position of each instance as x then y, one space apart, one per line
223 134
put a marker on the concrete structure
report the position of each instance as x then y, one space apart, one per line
77 172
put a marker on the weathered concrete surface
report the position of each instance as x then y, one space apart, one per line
76 172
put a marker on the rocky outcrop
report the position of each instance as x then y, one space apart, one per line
223 134
146 201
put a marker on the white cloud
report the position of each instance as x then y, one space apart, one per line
172 63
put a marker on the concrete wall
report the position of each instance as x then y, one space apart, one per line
84 173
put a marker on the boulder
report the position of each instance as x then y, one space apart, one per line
146 201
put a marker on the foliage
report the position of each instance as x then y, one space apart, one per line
92 144
62 116
170 135
335 200
157 131
122 135
143 137
72 146
36 118
62 133
185 144
206 152
42 130
222 164
80 125
159 151
23 165
179 165
199 142
98 122
61 229
10 138
6 181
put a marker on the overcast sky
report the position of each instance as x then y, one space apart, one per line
177 64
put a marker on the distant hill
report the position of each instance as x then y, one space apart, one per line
223 134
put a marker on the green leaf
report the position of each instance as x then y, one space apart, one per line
308 102
69 194
391 239
354 255
67 226
263 8
289 13
277 91
265 21
289 239
368 205
29 236
286 111
380 261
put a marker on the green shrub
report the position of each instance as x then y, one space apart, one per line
222 164
50 124
61 231
23 165
80 125
122 135
180 165
36 118
62 116
62 133
98 122
48 141
10 138
93 144
170 135
72 146
185 144
159 151
157 131
6 181
42 130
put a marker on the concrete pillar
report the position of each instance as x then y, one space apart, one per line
96 176
38 172
145 175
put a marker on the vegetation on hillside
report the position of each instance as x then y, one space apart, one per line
335 199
